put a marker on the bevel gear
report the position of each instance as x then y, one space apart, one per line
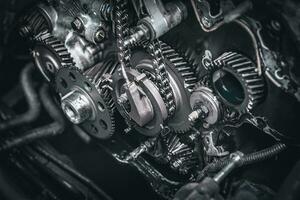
86 99
50 54
181 156
247 87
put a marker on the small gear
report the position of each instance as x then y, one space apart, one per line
236 81
50 54
101 123
34 23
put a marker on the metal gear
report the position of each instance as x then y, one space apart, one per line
248 89
181 157
181 81
50 55
34 23
181 65
93 107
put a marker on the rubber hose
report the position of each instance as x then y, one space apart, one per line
52 129
31 96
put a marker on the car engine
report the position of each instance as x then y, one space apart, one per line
150 99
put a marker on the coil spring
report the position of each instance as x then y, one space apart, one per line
105 10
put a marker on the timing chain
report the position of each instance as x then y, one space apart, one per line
161 76
122 30
154 48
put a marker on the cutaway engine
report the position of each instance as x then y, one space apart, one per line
165 102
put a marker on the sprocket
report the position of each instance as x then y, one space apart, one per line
50 54
101 123
236 81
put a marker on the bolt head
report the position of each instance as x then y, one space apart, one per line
99 35
77 25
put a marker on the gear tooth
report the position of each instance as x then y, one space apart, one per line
245 71
181 65
34 23
51 44
182 158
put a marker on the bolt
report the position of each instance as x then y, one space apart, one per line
206 22
99 35
201 112
77 107
77 25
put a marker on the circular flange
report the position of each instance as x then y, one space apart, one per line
100 123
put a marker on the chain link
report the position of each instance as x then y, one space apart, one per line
154 48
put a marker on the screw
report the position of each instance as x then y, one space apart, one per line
99 35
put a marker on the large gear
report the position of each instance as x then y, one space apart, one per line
50 54
182 81
97 118
186 71
247 87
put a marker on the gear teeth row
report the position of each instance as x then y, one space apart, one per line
246 72
181 65
34 23
101 97
193 58
57 46
181 156
95 76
